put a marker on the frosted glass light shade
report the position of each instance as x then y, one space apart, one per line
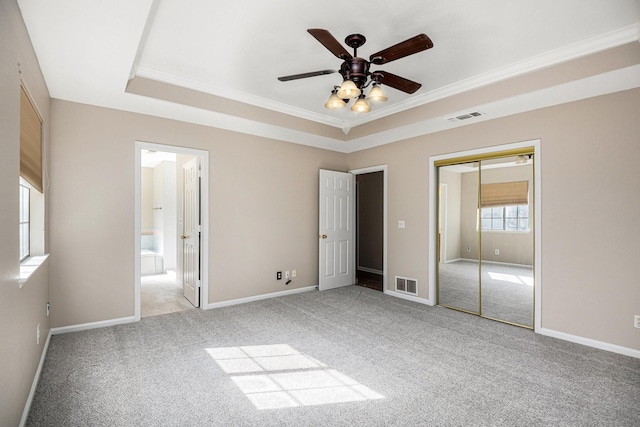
361 106
521 160
348 90
334 102
376 94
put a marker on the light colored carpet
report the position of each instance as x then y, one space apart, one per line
160 294
345 357
507 290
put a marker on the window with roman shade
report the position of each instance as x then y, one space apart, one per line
30 142
504 194
505 206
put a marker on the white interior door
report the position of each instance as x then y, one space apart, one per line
336 230
191 232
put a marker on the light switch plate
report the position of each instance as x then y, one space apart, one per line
400 223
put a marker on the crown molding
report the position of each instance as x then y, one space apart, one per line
243 97
612 39
602 84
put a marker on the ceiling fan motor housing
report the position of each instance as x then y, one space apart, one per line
355 69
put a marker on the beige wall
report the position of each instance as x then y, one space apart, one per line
590 208
263 209
21 309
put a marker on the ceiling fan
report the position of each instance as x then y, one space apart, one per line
355 70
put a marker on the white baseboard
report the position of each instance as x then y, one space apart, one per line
370 270
475 261
409 297
34 384
508 264
92 325
260 297
590 343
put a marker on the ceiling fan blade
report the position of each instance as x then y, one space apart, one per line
397 82
408 47
330 42
305 75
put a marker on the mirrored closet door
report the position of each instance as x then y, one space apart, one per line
485 236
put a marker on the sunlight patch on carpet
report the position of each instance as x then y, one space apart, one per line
307 381
511 278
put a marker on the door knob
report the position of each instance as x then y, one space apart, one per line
324 236
184 237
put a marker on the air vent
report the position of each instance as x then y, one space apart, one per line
465 116
407 285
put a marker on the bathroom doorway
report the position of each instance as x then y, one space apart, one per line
169 224
160 289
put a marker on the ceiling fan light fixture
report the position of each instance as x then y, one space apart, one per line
348 90
376 94
355 70
334 102
361 105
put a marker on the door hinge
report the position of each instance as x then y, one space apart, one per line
199 173
198 228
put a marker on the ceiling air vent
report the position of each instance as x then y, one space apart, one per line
465 116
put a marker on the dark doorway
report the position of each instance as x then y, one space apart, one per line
370 229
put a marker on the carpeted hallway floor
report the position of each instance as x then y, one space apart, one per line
349 356
160 294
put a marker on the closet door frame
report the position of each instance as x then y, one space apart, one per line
514 149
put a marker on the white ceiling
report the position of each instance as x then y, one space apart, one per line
89 49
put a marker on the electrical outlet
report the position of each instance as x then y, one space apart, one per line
287 274
293 273
636 321
38 334
279 275
497 251
468 248
48 308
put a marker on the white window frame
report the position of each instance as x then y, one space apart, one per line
504 220
25 202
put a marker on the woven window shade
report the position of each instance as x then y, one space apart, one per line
30 143
504 194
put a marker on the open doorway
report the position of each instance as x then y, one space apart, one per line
171 242
160 289
369 229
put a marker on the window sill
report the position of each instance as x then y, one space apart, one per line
29 266
507 231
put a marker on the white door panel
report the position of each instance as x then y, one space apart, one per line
336 230
191 232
